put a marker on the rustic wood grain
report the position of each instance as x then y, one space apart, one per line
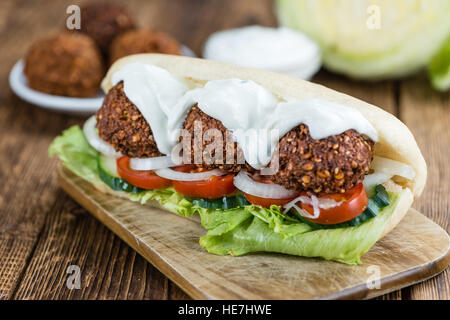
109 268
427 113
28 188
381 94
13 253
38 239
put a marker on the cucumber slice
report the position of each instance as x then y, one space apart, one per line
381 197
108 165
223 203
376 203
107 170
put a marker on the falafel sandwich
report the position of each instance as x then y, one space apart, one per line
269 162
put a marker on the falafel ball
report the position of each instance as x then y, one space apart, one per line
103 21
67 64
143 41
208 156
121 124
331 165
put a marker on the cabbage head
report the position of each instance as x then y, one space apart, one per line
372 39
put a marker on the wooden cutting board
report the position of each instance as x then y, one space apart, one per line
417 249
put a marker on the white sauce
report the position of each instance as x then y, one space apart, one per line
156 93
245 108
275 49
255 116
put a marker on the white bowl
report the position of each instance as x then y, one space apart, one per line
275 49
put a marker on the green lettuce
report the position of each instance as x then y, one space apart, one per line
76 154
439 68
241 230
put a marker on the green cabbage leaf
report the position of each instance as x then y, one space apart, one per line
439 68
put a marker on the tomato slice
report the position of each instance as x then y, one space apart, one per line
266 202
354 202
142 179
213 188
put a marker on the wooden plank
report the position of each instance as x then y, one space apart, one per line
176 293
25 134
191 22
380 94
109 268
416 250
427 113
13 253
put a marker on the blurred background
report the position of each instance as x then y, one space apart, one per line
394 54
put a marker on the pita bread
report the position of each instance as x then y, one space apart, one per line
396 141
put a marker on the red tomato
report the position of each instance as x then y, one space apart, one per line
354 203
142 179
213 188
266 202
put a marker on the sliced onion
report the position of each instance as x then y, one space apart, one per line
384 169
392 167
142 164
372 180
315 202
96 142
185 176
263 190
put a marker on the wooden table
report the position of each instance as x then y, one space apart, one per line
43 231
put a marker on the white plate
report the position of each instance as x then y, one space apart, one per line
77 106
69 105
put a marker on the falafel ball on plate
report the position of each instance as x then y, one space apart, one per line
66 64
143 41
103 21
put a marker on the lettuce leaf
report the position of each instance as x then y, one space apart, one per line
256 235
241 230
439 68
76 154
